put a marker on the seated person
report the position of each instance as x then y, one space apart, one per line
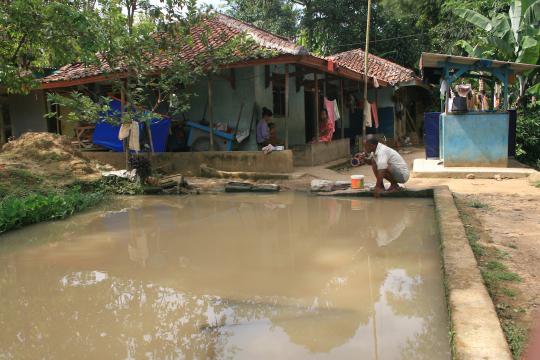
326 128
387 164
263 131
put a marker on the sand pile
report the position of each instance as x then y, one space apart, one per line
49 156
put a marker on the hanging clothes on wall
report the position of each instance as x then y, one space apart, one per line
124 131
375 114
337 116
329 106
367 114
134 143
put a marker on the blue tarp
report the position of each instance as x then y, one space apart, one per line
106 135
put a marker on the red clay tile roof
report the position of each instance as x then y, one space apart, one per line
379 68
222 29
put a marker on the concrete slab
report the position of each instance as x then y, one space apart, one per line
475 325
423 168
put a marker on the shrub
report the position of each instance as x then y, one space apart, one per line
528 136
33 208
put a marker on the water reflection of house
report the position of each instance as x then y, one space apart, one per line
291 75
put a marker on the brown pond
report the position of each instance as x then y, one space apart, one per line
227 276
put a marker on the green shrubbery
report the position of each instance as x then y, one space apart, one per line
528 137
17 211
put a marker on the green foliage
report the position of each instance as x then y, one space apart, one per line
277 16
81 108
512 35
516 337
528 137
118 186
37 35
33 208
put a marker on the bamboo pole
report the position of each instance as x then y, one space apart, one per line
124 141
286 106
2 126
342 96
210 114
316 108
366 68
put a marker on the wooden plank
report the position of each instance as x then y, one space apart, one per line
286 106
342 96
211 114
316 108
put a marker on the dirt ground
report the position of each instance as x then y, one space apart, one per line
42 161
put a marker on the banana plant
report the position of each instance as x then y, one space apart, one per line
512 36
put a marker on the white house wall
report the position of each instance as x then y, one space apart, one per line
27 113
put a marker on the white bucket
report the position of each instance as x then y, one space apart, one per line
357 182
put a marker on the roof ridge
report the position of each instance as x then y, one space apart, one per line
288 46
376 57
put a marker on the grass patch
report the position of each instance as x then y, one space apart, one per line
537 184
508 292
16 211
494 272
496 277
477 204
516 337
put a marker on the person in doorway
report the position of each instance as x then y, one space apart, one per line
263 131
326 128
387 164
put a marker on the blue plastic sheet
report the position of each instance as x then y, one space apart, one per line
106 135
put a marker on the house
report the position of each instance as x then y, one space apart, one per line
291 80
401 104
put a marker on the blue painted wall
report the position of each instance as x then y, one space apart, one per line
474 139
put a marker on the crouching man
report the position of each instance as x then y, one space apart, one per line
387 164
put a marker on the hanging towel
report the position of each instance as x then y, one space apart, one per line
336 111
124 131
367 114
329 106
375 114
134 143
444 88
375 82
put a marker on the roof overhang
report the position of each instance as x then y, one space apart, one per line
438 61
310 61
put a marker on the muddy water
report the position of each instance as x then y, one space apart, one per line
245 277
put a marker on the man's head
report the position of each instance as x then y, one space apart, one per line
370 143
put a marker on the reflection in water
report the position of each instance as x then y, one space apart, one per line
215 277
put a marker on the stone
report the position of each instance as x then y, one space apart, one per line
470 176
498 177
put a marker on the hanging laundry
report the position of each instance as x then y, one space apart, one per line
367 114
124 131
444 88
329 106
337 116
375 82
134 143
375 114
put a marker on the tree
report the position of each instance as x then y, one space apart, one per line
37 35
276 16
511 36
